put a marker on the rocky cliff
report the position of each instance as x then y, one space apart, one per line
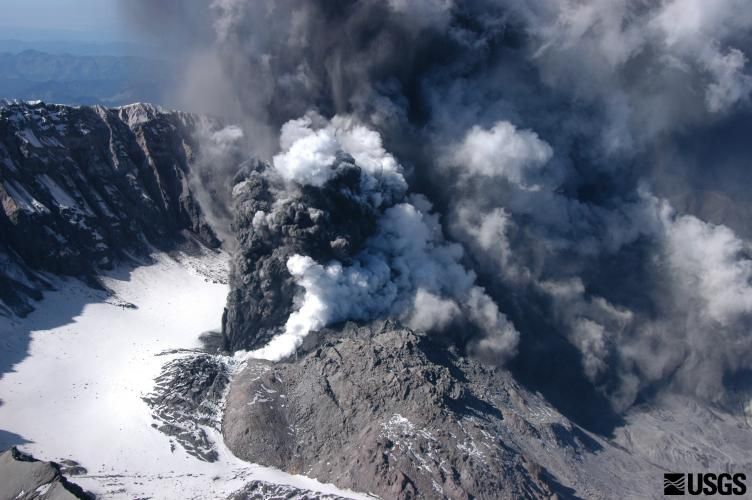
82 187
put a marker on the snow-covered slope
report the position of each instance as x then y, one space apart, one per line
92 357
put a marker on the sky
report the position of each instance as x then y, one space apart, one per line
79 20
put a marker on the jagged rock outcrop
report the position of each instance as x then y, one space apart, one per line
187 397
260 490
327 222
22 477
80 187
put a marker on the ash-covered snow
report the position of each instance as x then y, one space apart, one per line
78 393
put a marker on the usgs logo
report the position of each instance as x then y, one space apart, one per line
704 484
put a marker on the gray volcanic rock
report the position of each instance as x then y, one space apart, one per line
383 409
24 478
386 410
81 187
377 409
260 490
325 223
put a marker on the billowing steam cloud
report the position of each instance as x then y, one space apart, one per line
406 269
310 147
501 151
580 164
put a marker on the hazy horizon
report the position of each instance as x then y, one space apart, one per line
93 21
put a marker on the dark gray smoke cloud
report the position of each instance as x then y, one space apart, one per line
579 151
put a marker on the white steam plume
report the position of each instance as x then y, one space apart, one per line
310 146
501 151
406 270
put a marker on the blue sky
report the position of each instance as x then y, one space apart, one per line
83 20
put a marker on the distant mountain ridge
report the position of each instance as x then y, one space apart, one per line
63 45
82 79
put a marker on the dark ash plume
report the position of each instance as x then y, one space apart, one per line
557 142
